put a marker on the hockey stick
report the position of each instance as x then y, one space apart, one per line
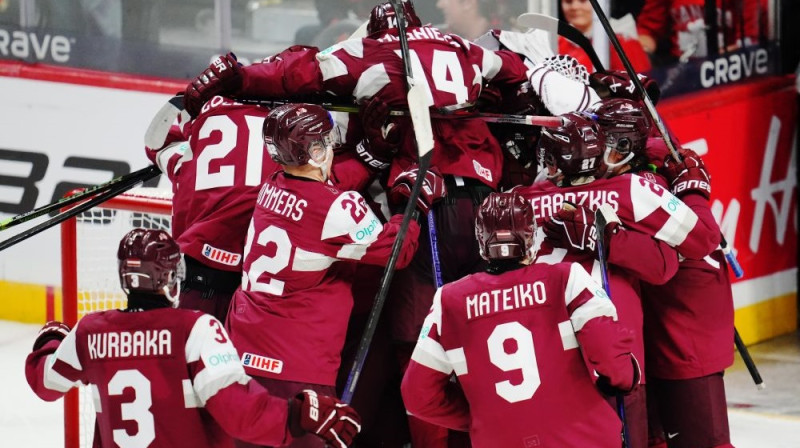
109 193
157 131
751 367
434 241
420 117
561 28
600 228
651 108
738 272
136 176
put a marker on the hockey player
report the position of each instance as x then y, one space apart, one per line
513 336
689 325
573 157
686 348
217 163
167 377
289 318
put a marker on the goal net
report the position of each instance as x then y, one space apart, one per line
90 281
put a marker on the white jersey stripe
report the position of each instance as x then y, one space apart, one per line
430 354
371 81
331 66
307 261
458 360
594 307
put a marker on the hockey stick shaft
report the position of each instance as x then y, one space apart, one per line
748 360
600 228
651 108
738 272
80 208
424 140
144 173
434 242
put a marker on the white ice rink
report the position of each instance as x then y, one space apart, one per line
758 419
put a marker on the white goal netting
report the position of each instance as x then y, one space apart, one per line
90 281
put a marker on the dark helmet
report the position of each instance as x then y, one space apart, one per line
505 226
382 17
295 134
575 149
625 125
150 262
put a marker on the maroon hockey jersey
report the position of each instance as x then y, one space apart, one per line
160 378
216 176
450 70
514 341
289 318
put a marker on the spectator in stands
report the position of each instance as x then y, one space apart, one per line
579 14
678 28
472 18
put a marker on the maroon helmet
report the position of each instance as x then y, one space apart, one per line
505 226
382 17
295 134
625 125
150 262
574 149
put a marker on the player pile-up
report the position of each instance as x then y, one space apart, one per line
291 225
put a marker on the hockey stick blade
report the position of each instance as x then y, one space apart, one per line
145 173
558 27
80 208
157 131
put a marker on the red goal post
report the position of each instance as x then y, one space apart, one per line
90 281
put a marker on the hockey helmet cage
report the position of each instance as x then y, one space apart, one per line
626 127
295 134
574 149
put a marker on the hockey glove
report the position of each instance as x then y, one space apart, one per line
333 421
51 331
572 227
618 84
433 188
605 386
688 176
223 76
381 136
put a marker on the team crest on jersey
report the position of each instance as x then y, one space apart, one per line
264 363
482 171
221 256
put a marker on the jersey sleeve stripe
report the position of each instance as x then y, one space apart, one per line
491 64
353 47
677 227
458 360
371 81
430 353
54 380
190 398
593 308
98 404
352 251
331 66
307 261
568 339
